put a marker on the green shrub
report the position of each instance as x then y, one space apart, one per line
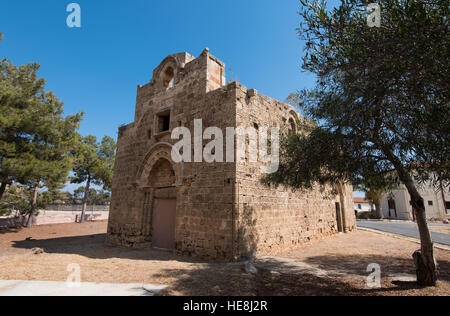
367 215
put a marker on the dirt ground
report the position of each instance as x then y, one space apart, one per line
343 258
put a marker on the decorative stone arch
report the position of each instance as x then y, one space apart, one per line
156 153
165 74
292 117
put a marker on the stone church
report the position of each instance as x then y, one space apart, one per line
218 210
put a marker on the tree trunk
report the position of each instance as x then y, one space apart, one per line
341 192
33 206
2 188
424 260
442 194
426 265
378 209
85 199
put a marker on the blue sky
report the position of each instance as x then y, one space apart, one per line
97 67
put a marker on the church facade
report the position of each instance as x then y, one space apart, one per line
217 210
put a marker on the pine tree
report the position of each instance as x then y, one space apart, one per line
18 198
94 164
35 137
19 93
47 159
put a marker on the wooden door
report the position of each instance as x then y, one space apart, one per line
340 224
164 212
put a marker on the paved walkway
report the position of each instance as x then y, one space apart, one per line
407 229
41 288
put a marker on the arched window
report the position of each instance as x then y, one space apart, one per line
169 77
292 126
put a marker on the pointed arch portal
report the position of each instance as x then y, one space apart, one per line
158 178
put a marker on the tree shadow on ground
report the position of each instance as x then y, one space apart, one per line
232 280
95 247
358 264
10 230
349 265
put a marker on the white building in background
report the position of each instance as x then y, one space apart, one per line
362 205
397 204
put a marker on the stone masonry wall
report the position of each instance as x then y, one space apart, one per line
272 220
204 192
222 211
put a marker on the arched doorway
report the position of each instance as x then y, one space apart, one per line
162 180
162 174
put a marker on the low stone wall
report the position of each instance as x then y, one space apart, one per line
14 222
77 208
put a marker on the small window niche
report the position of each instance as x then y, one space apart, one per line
163 122
169 77
292 126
